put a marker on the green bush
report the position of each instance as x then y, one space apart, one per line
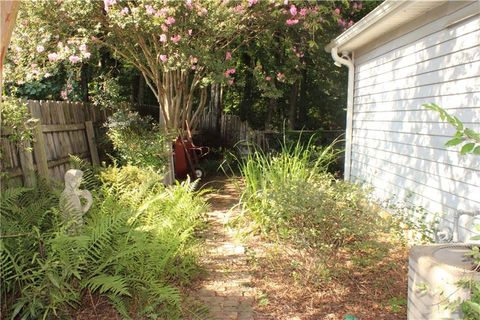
16 118
290 195
137 248
137 140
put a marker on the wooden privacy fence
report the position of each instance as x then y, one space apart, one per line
62 129
234 130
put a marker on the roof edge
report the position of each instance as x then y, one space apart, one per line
372 18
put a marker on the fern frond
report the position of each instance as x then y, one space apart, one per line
119 304
115 285
102 230
9 198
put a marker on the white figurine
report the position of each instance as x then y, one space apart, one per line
71 203
466 228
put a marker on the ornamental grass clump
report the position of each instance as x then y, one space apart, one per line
137 248
290 195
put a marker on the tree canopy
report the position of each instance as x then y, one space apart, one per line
266 51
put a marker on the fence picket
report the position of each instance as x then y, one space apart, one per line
62 129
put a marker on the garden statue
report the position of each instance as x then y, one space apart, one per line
71 204
464 229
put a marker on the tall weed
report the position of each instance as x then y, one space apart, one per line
290 195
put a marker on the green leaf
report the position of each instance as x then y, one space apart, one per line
458 123
476 151
53 280
431 106
467 148
453 142
472 134
475 307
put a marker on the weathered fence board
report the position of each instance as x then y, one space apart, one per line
233 130
62 129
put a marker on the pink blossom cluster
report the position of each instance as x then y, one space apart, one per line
228 56
53 56
163 58
161 13
229 72
193 61
295 15
238 9
65 52
169 21
108 3
150 10
64 93
176 38
357 6
74 59
344 24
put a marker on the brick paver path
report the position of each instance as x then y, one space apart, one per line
226 290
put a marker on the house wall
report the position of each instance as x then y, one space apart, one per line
398 146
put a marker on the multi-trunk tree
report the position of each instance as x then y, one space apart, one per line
180 47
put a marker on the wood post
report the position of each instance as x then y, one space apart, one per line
91 143
28 168
39 143
40 153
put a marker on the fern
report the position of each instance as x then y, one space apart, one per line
114 285
137 245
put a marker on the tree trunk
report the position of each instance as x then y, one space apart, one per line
302 108
215 108
272 109
141 91
292 107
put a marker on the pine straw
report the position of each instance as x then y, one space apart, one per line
369 282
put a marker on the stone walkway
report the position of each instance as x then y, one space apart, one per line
226 290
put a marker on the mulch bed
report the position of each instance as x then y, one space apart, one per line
295 284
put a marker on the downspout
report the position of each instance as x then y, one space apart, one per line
346 60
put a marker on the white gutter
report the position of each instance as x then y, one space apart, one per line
347 61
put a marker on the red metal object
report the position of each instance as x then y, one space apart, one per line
187 157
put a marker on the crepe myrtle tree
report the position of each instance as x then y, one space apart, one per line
180 47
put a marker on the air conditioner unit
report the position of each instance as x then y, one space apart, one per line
433 273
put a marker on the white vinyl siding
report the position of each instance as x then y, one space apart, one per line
398 146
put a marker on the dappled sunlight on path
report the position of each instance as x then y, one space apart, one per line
226 290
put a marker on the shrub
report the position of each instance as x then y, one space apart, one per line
290 195
137 140
16 117
136 249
